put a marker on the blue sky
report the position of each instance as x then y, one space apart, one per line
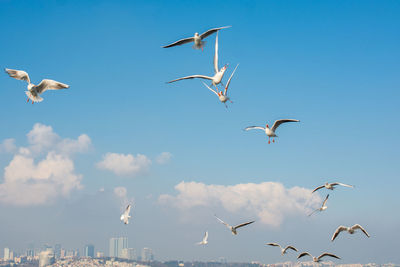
332 64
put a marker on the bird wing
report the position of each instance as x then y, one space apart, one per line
279 122
328 255
318 188
313 212
273 244
191 77
304 254
221 221
18 74
346 185
254 127
326 199
216 55
47 84
128 209
180 42
357 226
337 232
211 31
205 238
243 224
229 81
291 247
215 92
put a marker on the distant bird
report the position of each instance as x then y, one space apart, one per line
205 240
283 250
219 73
270 132
320 256
331 186
223 96
350 230
323 207
197 39
125 216
35 90
234 228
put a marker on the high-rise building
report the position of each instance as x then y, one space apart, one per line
88 251
57 251
147 254
46 258
116 245
6 254
128 253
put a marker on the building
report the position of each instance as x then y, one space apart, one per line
88 251
116 245
147 254
57 251
128 253
99 254
6 254
46 258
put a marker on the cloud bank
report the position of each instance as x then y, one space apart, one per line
124 164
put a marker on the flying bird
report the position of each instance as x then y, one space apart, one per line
197 39
234 228
320 256
223 96
205 240
323 207
34 91
350 230
283 250
125 216
219 73
270 132
331 186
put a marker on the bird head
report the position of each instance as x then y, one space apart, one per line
223 69
196 34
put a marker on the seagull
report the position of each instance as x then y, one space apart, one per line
323 207
125 216
320 256
205 240
219 73
331 186
233 228
270 132
223 96
35 90
197 39
350 230
283 250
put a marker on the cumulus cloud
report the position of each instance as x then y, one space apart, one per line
124 164
271 202
164 158
44 170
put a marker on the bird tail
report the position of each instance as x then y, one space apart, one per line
34 98
202 44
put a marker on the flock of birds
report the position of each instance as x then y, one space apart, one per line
34 91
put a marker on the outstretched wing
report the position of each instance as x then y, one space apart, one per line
216 55
47 84
326 199
18 74
318 188
128 209
180 42
191 77
273 244
221 221
243 224
337 232
304 254
313 212
279 122
215 92
328 255
211 31
346 185
205 238
254 127
357 226
291 247
229 81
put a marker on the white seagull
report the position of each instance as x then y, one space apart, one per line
320 256
350 230
125 216
283 250
331 186
205 240
323 207
35 90
234 228
197 39
223 96
270 132
219 73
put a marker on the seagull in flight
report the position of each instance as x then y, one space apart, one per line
283 250
270 132
223 96
350 230
323 207
125 216
234 228
331 186
205 239
197 39
315 259
34 91
219 73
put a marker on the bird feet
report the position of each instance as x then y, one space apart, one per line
269 141
27 101
273 140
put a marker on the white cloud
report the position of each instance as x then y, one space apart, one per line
271 202
8 146
32 178
164 158
122 164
